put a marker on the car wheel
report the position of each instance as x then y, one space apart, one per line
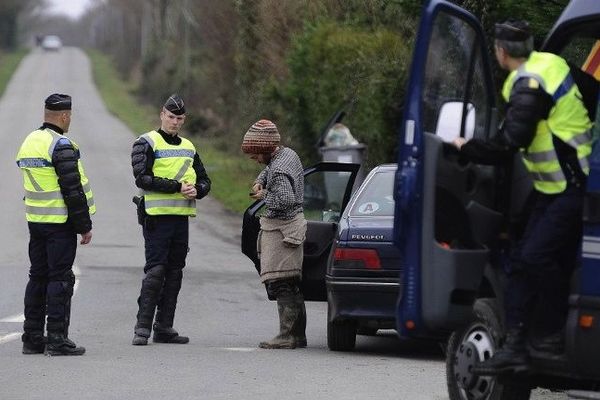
477 342
341 335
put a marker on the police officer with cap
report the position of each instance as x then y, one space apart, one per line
548 122
58 205
171 177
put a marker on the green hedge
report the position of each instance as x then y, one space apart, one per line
332 65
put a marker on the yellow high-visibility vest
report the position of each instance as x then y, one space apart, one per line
171 162
568 120
44 202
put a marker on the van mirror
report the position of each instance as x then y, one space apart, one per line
450 118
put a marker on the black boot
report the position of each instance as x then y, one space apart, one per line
511 357
33 338
149 296
33 343
167 335
59 296
289 318
165 313
60 345
549 346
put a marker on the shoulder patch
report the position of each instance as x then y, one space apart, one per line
533 84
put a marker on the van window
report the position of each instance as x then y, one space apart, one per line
455 73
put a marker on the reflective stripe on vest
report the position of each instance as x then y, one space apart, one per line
567 120
43 199
171 162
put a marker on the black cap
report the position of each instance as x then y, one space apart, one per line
512 30
58 102
175 104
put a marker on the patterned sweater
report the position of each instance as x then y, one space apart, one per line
283 179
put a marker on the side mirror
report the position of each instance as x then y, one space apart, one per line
450 118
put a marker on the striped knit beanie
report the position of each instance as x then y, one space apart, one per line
262 138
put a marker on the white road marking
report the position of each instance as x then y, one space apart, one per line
9 337
14 318
241 349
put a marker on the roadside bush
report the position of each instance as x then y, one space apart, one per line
332 65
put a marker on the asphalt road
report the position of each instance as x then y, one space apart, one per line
222 305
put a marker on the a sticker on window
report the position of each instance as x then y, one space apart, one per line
368 208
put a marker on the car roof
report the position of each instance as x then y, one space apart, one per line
386 167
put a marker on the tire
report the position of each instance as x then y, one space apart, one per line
341 335
477 342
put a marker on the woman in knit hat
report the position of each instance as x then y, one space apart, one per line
283 229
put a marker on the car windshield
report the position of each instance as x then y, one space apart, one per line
376 197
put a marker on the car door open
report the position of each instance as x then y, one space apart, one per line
327 189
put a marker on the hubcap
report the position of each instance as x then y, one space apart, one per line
477 345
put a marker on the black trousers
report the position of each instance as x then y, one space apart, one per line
166 241
52 250
542 263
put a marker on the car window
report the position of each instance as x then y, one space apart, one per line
324 194
376 196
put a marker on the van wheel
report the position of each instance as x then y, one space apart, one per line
341 335
477 342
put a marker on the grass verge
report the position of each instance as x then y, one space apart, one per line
8 64
231 175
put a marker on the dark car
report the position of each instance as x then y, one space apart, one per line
364 267
327 190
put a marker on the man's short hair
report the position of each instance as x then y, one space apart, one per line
514 36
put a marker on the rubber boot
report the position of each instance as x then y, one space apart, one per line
299 330
165 313
147 301
289 316
511 358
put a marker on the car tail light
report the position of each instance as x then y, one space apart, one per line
357 258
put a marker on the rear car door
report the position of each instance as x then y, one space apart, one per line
327 190
446 210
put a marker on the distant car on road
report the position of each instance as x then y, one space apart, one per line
51 43
363 271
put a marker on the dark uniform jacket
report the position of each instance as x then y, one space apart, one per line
65 160
525 109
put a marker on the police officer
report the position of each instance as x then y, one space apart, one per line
170 174
547 121
58 204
